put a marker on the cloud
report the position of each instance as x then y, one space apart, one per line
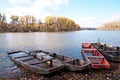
97 22
49 3
87 19
115 17
20 2
36 7
90 22
12 1
20 11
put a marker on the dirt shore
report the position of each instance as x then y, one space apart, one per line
89 74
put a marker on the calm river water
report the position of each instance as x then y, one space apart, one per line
65 43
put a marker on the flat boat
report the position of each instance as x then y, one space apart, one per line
41 63
70 64
94 56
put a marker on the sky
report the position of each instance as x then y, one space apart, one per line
86 13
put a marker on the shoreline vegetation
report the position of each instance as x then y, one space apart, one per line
29 23
110 26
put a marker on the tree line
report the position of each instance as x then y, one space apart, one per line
29 23
110 26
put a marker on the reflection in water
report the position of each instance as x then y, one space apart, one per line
66 43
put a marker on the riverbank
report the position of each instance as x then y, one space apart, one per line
63 44
101 74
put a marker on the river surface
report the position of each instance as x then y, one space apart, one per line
65 43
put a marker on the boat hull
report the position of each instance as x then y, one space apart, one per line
36 69
94 56
72 64
111 53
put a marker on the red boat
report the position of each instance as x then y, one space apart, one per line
94 56
87 45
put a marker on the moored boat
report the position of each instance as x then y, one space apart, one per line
110 52
94 56
71 64
87 45
40 63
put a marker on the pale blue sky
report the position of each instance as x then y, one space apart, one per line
87 13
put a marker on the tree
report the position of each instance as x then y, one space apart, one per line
39 25
15 23
2 22
27 23
62 23
110 26
15 19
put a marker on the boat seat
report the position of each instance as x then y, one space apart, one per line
19 55
95 56
26 58
96 59
50 62
42 56
47 57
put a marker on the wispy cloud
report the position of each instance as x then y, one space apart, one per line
49 3
20 2
90 22
87 19
115 17
97 22
36 7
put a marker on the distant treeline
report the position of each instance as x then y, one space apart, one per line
110 26
88 28
29 23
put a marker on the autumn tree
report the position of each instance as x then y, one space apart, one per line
15 27
15 19
2 22
39 25
110 26
27 23
62 24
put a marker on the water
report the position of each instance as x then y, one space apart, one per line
65 43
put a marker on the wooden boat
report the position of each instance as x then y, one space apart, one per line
70 63
94 56
87 45
40 63
110 52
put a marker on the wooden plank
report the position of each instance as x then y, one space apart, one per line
100 64
110 51
89 49
95 60
33 61
95 56
40 62
21 56
24 58
30 58
14 52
